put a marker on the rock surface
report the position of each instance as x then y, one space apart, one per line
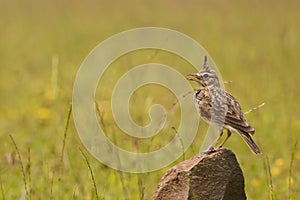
215 175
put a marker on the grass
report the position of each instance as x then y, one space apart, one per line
21 167
65 135
291 172
270 179
255 45
91 172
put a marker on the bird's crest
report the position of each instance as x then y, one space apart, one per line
205 65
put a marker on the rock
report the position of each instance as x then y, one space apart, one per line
216 175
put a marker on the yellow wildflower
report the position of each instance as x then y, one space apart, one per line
297 155
275 171
255 182
42 113
279 162
88 197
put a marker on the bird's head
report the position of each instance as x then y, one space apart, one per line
206 77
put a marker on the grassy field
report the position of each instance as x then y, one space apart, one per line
42 44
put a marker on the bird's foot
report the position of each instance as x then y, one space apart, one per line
210 150
220 147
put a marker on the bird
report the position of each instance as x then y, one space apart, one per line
220 109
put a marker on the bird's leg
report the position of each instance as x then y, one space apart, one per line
211 147
228 136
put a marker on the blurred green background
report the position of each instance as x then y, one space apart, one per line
255 44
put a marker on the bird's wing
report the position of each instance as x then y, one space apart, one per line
203 103
235 117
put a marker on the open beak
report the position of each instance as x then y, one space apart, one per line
194 77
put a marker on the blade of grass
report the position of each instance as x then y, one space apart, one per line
124 188
290 171
51 187
269 175
114 139
21 165
181 142
141 187
91 172
255 108
28 170
74 192
65 135
100 115
2 190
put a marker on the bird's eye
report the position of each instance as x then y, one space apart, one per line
205 75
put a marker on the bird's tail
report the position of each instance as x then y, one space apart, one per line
247 138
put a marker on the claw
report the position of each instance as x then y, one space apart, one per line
210 150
